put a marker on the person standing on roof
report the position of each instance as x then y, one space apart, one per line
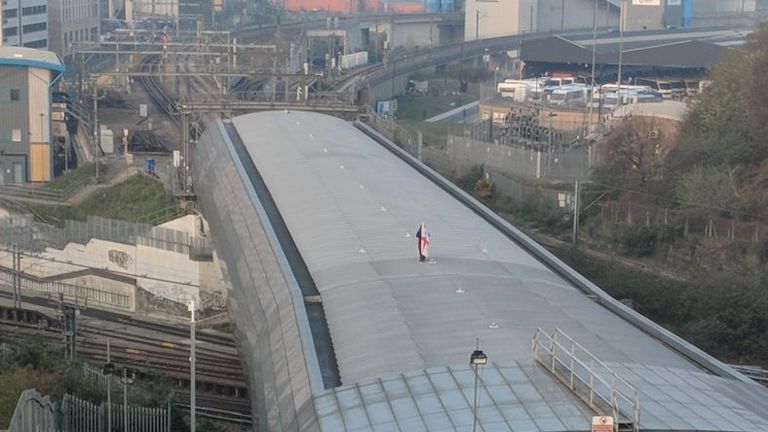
422 237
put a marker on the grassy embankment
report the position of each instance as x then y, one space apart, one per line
133 200
413 110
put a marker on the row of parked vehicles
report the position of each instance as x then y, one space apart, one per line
575 92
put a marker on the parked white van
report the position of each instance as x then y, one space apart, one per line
574 95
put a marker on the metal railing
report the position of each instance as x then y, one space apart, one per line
755 373
34 412
82 416
111 299
588 378
94 374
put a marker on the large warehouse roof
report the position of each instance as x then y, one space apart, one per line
402 331
688 48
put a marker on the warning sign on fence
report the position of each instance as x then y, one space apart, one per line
602 424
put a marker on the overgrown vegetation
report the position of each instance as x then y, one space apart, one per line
133 200
534 210
422 107
719 162
723 315
433 134
715 169
444 95
73 178
32 362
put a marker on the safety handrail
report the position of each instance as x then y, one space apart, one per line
608 393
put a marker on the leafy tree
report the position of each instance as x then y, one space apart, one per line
35 352
728 126
471 177
711 188
633 153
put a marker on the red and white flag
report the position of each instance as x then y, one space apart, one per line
423 238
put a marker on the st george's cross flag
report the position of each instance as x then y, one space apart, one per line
422 236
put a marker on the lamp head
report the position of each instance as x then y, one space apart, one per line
478 358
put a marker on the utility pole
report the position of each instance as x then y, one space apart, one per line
532 13
477 25
97 144
109 393
594 60
125 399
16 255
20 15
576 205
68 328
562 15
182 170
192 367
622 17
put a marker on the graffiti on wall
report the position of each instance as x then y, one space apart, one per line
120 258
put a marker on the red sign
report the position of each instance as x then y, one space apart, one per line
602 424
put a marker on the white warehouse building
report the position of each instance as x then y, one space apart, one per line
26 76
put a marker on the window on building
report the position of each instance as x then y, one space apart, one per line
42 43
15 135
15 95
33 10
11 13
31 28
10 31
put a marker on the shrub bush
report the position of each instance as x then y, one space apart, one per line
638 242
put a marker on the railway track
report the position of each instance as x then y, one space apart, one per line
155 91
219 374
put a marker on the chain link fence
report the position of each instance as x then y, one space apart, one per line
686 222
34 236
112 298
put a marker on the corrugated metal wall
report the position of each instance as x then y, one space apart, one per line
39 109
30 115
262 302
13 115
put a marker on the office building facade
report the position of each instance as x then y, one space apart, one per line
25 23
73 22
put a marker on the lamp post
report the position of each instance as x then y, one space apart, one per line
109 369
476 359
192 408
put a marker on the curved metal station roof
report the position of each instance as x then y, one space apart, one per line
402 331
19 56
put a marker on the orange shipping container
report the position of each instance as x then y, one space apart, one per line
404 7
343 6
